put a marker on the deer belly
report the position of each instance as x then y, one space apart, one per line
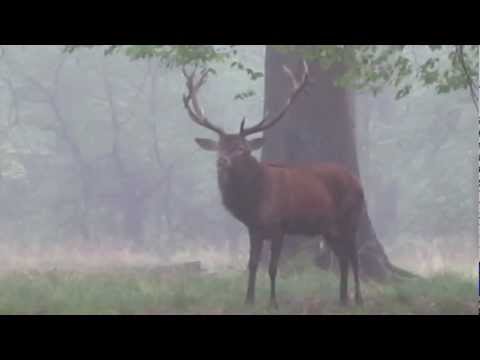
306 226
308 212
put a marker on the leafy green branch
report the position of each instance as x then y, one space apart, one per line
446 68
175 56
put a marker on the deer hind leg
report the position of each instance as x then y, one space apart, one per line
352 226
344 268
256 245
353 258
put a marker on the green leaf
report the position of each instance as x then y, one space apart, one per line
405 91
435 47
431 77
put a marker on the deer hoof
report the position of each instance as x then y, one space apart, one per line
274 305
249 302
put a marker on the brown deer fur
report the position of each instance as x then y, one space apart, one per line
272 201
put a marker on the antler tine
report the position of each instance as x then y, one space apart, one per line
196 113
294 81
298 87
242 126
291 76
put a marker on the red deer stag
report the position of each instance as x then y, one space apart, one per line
273 200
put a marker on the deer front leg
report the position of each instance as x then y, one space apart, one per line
256 245
277 245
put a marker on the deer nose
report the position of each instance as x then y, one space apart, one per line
224 161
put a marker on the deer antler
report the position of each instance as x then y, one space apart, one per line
298 87
191 100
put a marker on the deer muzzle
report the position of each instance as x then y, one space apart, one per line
224 162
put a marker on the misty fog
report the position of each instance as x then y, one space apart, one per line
99 167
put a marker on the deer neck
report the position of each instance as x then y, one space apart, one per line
241 187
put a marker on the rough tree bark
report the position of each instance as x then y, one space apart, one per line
319 128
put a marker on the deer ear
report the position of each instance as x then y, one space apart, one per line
256 144
206 144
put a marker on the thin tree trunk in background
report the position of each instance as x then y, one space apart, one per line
134 218
318 128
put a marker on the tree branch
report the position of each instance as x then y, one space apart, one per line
115 125
471 83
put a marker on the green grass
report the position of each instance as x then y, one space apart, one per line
125 291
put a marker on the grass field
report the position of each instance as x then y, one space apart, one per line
121 282
136 291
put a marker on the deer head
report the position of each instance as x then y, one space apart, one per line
231 147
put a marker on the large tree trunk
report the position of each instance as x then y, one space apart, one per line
318 128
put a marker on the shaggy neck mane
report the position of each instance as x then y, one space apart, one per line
241 187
